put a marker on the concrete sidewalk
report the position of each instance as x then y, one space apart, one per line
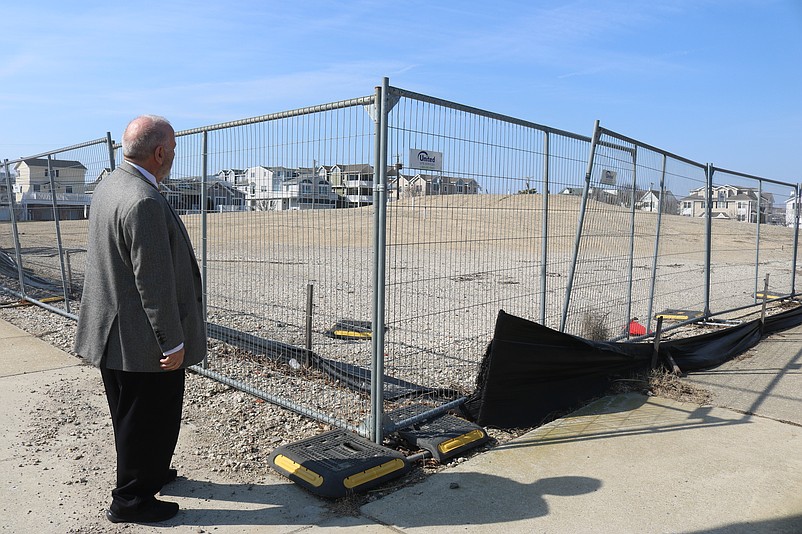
625 464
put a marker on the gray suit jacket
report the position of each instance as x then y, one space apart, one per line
142 292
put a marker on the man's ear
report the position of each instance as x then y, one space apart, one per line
159 154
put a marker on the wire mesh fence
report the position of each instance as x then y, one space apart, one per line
662 234
313 284
46 208
469 236
741 260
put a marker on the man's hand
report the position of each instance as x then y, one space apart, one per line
173 361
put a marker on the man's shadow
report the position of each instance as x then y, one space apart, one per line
447 499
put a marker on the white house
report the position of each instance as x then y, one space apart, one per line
729 202
650 201
791 206
282 188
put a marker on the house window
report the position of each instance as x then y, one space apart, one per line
55 173
306 187
68 188
37 188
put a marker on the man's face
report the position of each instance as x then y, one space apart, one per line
167 154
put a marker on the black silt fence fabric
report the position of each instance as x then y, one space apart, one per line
531 373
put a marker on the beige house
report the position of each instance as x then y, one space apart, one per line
430 184
39 182
354 183
729 202
33 176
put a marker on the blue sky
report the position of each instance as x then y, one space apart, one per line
716 81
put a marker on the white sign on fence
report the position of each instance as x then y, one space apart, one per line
427 160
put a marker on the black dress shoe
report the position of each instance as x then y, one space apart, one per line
152 511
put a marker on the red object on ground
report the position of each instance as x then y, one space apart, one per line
636 329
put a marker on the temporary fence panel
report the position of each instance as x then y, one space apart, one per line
51 203
680 274
749 240
634 251
467 198
282 225
10 258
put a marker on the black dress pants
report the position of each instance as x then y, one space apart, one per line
146 416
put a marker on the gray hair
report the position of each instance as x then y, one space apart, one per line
143 135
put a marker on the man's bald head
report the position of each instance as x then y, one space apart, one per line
143 135
149 141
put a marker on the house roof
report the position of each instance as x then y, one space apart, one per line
444 179
307 178
54 163
193 185
358 167
572 191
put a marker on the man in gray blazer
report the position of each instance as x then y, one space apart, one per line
141 317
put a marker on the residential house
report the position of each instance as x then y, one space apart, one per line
791 209
650 201
608 196
430 184
40 181
729 202
282 188
233 176
184 195
354 183
5 198
261 184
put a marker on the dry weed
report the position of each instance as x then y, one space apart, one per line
664 383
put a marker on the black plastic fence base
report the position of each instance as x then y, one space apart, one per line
444 436
338 463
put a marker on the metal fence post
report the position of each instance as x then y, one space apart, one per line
796 240
709 236
660 203
59 244
204 231
110 144
628 316
544 233
380 222
757 237
572 269
14 230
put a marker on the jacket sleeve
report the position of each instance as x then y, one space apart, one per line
148 239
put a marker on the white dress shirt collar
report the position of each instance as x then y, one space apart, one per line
146 174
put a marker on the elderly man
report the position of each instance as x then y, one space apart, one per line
141 318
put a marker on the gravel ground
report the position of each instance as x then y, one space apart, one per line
227 434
